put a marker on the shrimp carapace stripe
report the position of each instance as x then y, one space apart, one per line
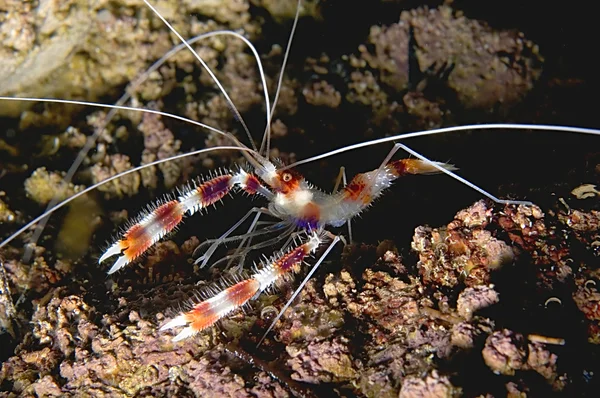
209 311
252 184
289 261
214 190
154 224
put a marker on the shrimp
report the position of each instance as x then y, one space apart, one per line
309 220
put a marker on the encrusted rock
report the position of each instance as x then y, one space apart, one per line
456 252
43 186
433 385
322 362
505 352
475 298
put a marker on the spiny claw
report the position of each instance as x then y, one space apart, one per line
111 251
160 219
184 334
208 312
176 322
120 263
116 248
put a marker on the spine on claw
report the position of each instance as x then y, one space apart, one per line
208 312
154 224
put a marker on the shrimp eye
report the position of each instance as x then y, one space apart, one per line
287 177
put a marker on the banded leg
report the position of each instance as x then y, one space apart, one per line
211 310
152 225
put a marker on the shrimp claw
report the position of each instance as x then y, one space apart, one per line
154 223
210 311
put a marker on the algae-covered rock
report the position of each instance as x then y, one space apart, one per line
73 49
43 186
84 50
483 66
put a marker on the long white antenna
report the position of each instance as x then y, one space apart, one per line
212 75
267 135
403 136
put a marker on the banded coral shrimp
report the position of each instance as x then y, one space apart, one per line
378 161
